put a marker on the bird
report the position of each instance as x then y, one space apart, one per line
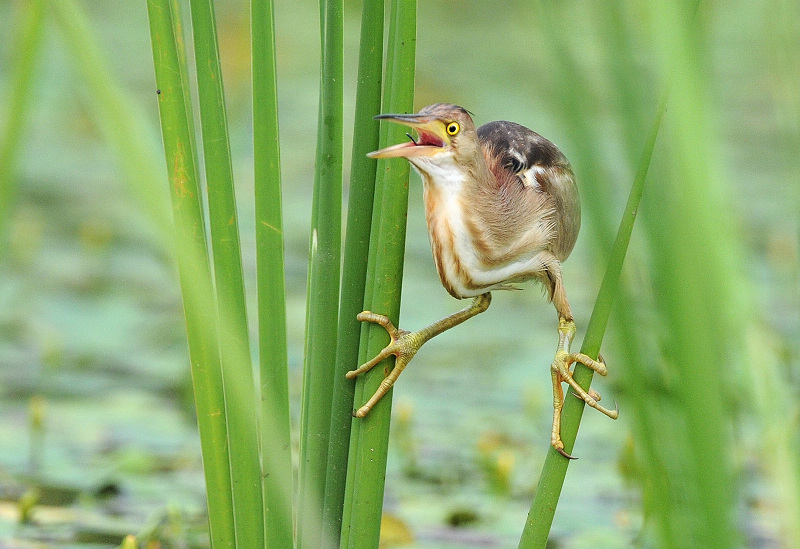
502 207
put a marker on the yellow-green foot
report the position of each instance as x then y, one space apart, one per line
560 370
404 345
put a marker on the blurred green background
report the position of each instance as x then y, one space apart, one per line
96 421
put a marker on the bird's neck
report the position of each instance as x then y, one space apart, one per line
452 177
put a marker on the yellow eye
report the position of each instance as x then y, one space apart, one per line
452 128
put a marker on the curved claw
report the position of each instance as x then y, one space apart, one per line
566 455
561 373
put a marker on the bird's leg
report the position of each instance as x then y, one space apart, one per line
404 345
560 370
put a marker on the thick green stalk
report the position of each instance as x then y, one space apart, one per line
240 399
323 282
201 320
356 253
29 44
696 276
276 452
540 516
779 439
369 440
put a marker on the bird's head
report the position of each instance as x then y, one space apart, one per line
446 138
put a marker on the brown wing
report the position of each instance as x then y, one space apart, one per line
537 179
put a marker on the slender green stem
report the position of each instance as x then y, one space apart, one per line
540 517
201 320
369 440
323 282
125 130
29 45
276 455
240 399
120 121
356 253
122 124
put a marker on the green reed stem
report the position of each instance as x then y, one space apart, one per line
540 516
356 253
193 264
240 399
369 440
120 122
276 453
323 282
696 289
25 61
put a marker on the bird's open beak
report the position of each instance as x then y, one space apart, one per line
431 136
